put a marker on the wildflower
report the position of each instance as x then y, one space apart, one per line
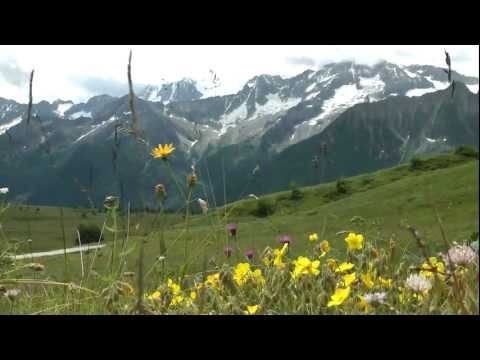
111 202
303 266
354 241
325 247
284 239
367 280
192 180
177 299
193 295
313 237
332 264
154 296
460 255
343 267
348 279
160 191
162 151
249 254
418 283
340 295
363 304
375 298
12 294
241 273
386 283
258 277
203 205
232 228
251 310
4 190
213 280
227 250
174 288
433 266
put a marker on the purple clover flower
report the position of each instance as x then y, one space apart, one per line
249 254
232 228
285 239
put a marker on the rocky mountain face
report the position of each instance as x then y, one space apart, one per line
367 117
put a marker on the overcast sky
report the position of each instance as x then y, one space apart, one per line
76 72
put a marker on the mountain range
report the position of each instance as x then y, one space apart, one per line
341 120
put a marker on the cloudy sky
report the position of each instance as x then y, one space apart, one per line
78 72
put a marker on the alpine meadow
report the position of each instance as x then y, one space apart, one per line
350 188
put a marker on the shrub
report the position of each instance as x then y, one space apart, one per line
467 151
89 233
341 186
415 163
264 208
296 193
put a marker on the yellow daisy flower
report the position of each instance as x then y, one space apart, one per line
313 237
354 241
162 151
340 295
344 267
251 310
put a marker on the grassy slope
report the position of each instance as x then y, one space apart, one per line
385 199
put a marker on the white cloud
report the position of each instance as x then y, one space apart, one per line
58 68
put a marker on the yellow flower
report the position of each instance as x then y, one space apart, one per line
362 305
279 254
213 280
354 241
340 295
313 237
367 280
177 299
332 264
251 310
154 296
282 251
344 267
386 283
162 151
402 295
193 295
349 279
174 288
435 267
303 266
241 273
325 247
258 277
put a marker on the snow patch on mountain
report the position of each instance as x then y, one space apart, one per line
80 114
229 120
275 104
96 127
62 108
5 127
410 74
473 88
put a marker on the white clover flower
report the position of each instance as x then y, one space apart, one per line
418 283
4 190
460 255
375 298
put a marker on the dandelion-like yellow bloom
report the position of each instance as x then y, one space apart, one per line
313 237
325 247
279 254
154 296
162 151
213 280
386 283
348 279
332 264
258 277
343 267
367 280
354 241
241 273
303 266
193 295
340 295
174 288
251 310
436 266
177 299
